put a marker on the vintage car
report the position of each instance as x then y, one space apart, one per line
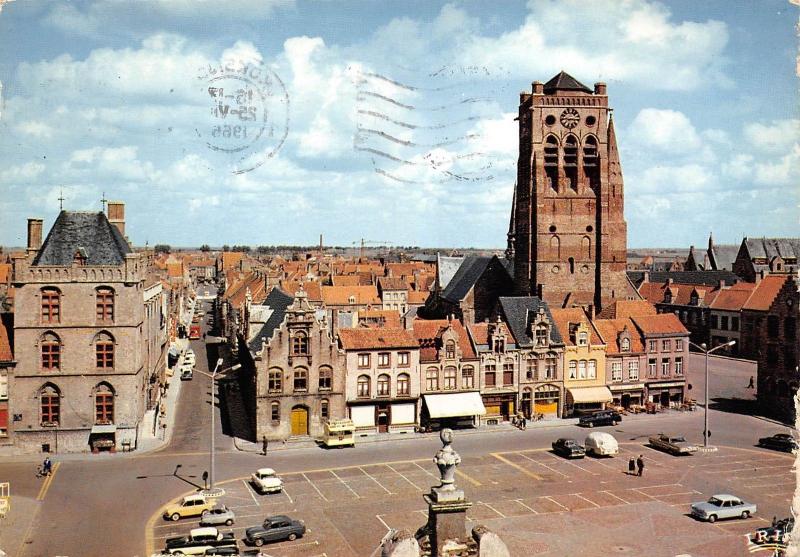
275 528
220 514
265 481
723 505
199 538
191 505
675 444
779 442
603 417
568 448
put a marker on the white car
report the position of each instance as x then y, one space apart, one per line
265 481
722 505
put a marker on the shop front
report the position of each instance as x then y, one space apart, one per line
627 396
103 438
666 394
384 416
546 400
499 405
585 400
453 410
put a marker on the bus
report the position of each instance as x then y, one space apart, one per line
339 433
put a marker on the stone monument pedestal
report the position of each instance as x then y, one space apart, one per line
447 517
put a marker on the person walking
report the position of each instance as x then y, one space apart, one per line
632 466
264 444
47 466
751 385
640 464
524 422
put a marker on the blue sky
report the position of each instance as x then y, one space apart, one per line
398 118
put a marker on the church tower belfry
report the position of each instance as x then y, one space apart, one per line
570 235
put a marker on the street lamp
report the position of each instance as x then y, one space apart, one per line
211 492
702 347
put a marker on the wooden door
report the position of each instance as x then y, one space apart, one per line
299 421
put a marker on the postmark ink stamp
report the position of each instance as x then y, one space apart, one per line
248 113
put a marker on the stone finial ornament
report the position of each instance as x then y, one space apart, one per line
446 460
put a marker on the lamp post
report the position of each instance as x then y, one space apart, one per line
211 491
703 348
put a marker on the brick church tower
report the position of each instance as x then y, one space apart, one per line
568 234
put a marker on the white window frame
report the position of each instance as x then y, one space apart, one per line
616 371
633 370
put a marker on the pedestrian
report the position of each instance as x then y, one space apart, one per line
264 444
751 385
640 464
632 466
47 466
524 422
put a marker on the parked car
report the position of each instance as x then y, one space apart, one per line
266 481
603 417
223 550
599 443
275 528
220 514
200 537
722 506
777 533
779 442
674 444
568 448
186 374
191 505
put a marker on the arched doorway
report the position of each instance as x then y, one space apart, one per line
299 420
545 400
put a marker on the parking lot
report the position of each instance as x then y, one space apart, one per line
530 497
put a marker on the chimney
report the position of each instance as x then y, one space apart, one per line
669 281
600 88
537 87
34 235
721 284
646 276
116 215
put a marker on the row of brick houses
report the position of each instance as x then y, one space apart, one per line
83 355
526 358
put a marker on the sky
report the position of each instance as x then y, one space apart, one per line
266 122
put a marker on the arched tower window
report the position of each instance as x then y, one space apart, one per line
104 351
571 162
586 247
51 351
591 166
555 247
572 265
103 404
551 161
50 402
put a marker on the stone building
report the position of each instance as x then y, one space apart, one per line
666 351
569 233
448 366
625 359
300 371
6 363
761 256
382 381
83 373
498 378
540 352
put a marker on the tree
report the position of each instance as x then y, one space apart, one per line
162 248
205 247
226 247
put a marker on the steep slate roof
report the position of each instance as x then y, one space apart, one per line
770 247
467 275
88 232
562 319
446 267
428 331
376 339
278 301
564 82
709 278
723 256
621 309
610 330
765 292
661 324
6 337
519 311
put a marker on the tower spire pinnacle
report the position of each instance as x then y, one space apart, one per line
512 227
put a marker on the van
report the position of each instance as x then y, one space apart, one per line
339 433
601 444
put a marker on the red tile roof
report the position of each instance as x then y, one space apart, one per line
340 295
480 332
389 318
6 335
611 328
654 292
417 298
428 331
231 259
765 292
621 309
5 273
562 318
661 324
376 339
345 280
392 283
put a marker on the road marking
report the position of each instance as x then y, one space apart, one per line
615 497
344 483
526 506
543 464
473 481
568 461
48 480
503 459
416 463
491 507
404 477
250 491
376 481
382 521
316 488
556 502
289 497
587 500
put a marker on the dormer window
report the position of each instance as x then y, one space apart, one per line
450 349
625 344
541 335
667 297
583 338
352 299
79 258
693 299
499 344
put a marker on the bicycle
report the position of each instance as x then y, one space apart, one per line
41 472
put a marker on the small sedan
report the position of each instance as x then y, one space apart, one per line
568 448
779 442
220 514
187 374
275 528
266 481
675 444
722 506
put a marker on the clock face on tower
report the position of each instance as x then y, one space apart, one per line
570 118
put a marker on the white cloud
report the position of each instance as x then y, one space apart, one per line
36 129
775 137
669 131
26 172
674 179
